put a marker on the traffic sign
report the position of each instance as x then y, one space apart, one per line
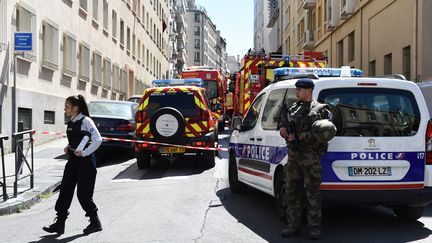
23 41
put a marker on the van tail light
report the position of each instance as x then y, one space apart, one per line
125 126
429 143
205 115
140 116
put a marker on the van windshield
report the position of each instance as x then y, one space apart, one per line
211 88
373 112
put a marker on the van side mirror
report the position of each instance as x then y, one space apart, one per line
237 123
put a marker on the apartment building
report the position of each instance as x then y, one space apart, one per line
379 36
180 33
103 49
267 25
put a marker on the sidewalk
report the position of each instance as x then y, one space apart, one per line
49 161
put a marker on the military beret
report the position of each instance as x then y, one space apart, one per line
305 83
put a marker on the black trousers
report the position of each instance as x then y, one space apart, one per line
79 172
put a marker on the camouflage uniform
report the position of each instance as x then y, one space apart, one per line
303 170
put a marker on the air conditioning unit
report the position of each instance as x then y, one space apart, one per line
333 14
346 8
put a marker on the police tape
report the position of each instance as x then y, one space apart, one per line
144 142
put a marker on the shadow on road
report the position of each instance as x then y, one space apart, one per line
54 238
256 211
163 168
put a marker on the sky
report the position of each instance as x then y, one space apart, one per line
234 18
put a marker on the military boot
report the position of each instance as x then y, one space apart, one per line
57 227
315 233
94 226
290 232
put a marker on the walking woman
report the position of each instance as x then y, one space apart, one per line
80 170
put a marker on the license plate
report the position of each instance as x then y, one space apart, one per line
172 150
369 171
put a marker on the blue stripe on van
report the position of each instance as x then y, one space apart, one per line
414 174
274 155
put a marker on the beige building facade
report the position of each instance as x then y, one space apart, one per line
380 37
102 49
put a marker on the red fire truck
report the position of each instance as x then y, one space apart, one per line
256 72
214 83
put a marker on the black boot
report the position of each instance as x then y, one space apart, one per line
94 226
57 227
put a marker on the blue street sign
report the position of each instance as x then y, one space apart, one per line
23 41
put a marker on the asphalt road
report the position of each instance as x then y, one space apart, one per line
186 202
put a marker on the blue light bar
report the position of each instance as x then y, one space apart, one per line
321 72
178 82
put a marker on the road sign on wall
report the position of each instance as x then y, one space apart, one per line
23 41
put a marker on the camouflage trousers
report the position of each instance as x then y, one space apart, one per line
302 192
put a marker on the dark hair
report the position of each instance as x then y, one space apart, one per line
80 102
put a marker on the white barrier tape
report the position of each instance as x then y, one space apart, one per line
147 142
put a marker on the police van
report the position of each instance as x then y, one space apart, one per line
381 154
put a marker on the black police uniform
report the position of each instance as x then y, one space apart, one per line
80 172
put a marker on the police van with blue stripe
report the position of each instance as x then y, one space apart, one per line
381 154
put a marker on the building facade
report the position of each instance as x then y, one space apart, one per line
102 49
203 39
179 51
268 26
381 37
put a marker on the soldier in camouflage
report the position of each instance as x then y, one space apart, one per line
303 169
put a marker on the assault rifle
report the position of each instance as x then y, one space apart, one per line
291 127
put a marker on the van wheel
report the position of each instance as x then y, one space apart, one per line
143 161
280 197
408 213
235 185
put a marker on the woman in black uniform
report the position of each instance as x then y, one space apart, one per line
80 170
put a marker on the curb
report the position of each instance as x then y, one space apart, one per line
17 205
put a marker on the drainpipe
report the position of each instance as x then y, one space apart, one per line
417 76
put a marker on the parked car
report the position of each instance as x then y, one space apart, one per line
135 98
114 119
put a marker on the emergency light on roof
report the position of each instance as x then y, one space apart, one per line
178 82
321 72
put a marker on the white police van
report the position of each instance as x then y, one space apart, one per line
381 154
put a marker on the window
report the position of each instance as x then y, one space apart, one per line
388 64
128 41
197 43
252 114
50 45
147 59
372 112
197 30
105 15
121 32
26 22
133 45
84 62
69 54
107 73
143 55
95 10
83 5
114 24
197 17
97 68
123 81
3 22
372 68
49 117
340 53
139 51
351 47
271 113
116 78
25 116
406 62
